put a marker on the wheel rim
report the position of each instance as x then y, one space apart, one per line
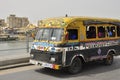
110 59
76 66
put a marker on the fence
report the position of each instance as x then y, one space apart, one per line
14 47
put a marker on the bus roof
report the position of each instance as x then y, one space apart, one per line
64 21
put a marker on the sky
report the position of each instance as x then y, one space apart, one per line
39 9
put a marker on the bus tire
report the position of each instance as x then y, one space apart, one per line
109 59
76 66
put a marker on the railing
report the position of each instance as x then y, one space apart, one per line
15 46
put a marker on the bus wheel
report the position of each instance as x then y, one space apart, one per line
76 66
109 59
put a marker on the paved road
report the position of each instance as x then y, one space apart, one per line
91 71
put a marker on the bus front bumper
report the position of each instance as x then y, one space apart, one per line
44 64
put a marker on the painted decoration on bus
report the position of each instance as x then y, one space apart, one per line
44 46
53 22
89 45
101 44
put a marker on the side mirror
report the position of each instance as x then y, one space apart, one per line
33 35
66 36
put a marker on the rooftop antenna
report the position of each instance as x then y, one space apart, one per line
66 15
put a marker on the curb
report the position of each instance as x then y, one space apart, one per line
14 66
14 61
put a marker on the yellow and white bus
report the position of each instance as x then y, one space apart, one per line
68 42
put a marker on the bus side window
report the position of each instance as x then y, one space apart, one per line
90 32
101 32
73 34
111 31
118 30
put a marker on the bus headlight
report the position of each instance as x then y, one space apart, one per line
31 55
52 59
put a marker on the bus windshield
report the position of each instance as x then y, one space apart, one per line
50 34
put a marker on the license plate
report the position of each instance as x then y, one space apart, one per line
42 64
47 65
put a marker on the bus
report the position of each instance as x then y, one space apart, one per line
69 42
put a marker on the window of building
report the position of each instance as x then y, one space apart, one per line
90 32
101 32
73 34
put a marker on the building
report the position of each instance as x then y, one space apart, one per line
2 22
17 22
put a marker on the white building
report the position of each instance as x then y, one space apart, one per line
17 22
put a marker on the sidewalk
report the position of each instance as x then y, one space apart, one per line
14 59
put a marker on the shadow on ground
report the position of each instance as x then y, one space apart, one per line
88 70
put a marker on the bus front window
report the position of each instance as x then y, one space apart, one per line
50 34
